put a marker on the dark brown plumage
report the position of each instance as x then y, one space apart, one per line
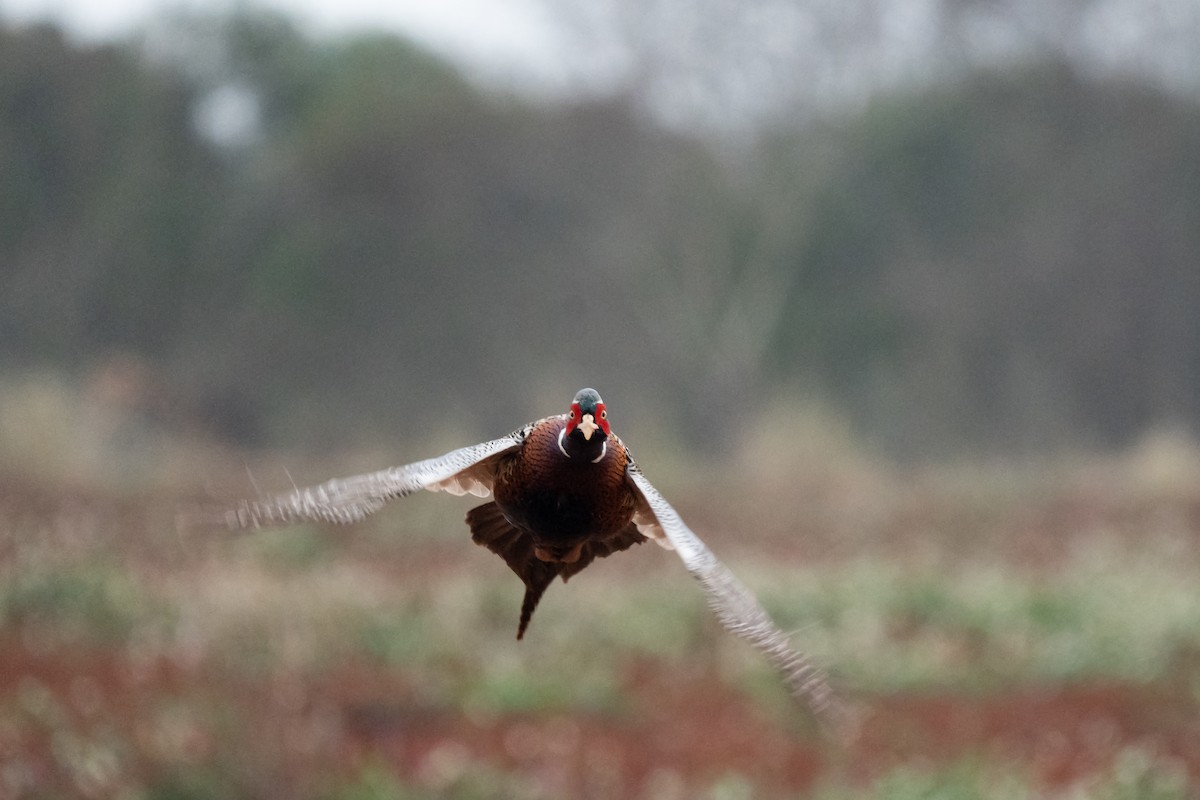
561 501
491 528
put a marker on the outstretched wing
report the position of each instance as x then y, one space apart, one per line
734 604
345 500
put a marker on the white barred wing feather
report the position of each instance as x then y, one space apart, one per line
735 605
468 470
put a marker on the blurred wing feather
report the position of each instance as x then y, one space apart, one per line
345 500
734 605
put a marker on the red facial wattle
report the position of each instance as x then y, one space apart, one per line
602 418
573 418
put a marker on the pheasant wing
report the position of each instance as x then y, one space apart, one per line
345 500
733 603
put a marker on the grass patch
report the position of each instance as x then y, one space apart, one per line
1135 774
78 603
450 775
1123 614
962 781
302 547
381 661
1118 612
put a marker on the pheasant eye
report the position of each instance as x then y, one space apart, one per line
603 415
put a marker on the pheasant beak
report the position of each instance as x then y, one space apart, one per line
588 426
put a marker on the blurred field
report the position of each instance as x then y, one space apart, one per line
1007 630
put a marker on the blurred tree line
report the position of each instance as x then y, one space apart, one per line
311 240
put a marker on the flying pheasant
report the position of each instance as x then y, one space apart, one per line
565 492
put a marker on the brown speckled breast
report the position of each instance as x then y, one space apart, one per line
561 501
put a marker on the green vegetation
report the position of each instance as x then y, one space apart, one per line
916 264
1127 613
78 603
455 778
1136 775
1056 601
269 634
1117 611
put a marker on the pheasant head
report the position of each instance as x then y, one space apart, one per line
587 416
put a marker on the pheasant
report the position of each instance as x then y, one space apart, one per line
565 491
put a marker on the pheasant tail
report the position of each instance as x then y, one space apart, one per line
490 528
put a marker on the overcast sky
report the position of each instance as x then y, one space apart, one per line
512 35
726 64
